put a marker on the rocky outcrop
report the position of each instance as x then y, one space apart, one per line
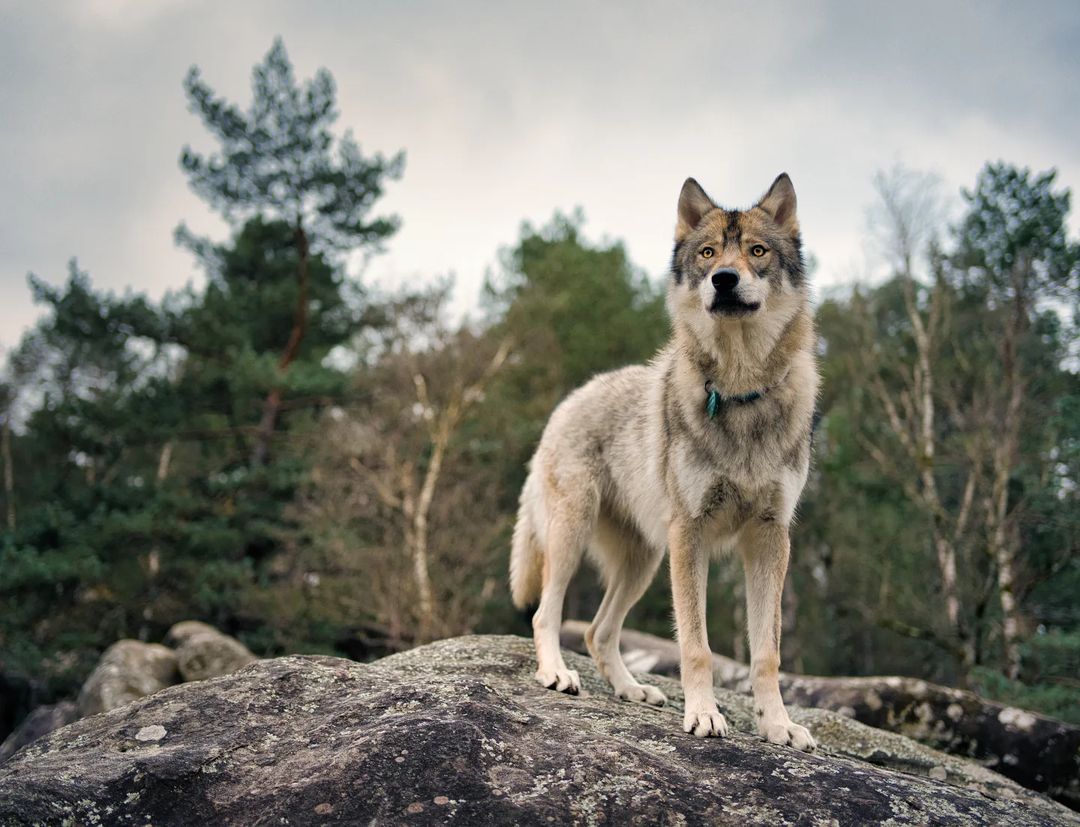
1038 752
128 670
459 732
203 652
131 669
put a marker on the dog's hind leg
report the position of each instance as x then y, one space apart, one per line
629 565
569 529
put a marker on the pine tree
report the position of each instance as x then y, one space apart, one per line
280 161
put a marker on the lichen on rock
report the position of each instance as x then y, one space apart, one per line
458 732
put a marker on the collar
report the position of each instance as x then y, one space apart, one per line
714 399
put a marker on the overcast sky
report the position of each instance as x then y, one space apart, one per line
509 111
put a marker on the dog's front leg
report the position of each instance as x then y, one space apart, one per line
689 577
765 548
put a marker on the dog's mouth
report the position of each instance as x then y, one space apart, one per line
732 306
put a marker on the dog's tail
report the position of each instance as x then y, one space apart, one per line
526 553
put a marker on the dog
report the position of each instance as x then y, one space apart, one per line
703 451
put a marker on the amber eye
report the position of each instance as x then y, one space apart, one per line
757 250
707 252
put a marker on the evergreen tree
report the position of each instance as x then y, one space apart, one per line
279 161
134 497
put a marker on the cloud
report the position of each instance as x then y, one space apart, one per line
509 112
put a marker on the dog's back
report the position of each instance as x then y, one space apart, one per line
598 448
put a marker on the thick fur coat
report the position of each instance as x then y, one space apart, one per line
704 450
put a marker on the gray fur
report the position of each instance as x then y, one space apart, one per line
625 482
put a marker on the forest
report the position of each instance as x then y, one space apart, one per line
314 464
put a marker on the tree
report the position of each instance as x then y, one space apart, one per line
1013 252
906 221
584 303
280 161
397 474
921 401
398 483
6 401
138 422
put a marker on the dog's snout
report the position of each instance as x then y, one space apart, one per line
725 280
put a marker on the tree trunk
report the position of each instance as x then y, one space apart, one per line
446 422
1002 538
420 523
944 548
9 472
164 461
915 425
272 405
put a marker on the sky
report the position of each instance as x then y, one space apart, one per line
510 111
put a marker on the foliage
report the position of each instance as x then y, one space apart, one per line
277 451
872 556
136 501
280 159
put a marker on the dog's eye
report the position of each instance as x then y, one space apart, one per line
707 252
757 250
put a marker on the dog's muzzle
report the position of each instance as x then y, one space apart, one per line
726 301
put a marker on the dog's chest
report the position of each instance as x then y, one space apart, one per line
733 471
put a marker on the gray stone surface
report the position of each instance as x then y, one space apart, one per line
1039 752
458 732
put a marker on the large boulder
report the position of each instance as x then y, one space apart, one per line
203 652
1034 750
127 670
458 731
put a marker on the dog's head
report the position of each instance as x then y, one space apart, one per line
735 264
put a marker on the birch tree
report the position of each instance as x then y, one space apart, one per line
1013 254
906 221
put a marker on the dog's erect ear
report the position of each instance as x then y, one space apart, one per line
693 204
779 202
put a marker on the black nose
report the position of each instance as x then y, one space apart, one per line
725 280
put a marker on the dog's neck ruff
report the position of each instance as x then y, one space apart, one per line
714 399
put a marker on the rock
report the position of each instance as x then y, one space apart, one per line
1034 750
41 721
128 669
1039 752
458 731
203 652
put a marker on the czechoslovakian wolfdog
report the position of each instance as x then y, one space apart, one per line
702 451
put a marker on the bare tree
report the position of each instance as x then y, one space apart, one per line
403 486
1001 523
905 222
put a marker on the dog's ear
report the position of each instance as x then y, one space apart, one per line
779 202
693 204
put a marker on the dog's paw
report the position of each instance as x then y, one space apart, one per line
705 724
561 680
641 693
788 734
